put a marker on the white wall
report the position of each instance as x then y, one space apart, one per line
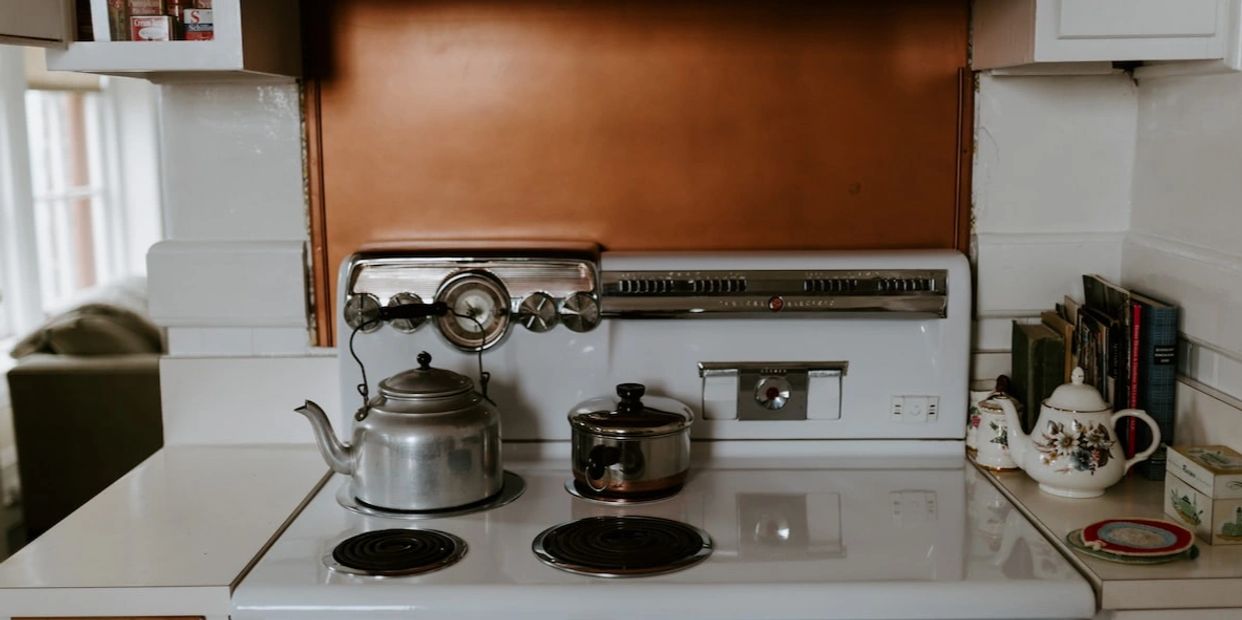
230 280
1139 182
1052 178
132 102
1187 217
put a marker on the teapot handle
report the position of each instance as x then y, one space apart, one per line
1155 433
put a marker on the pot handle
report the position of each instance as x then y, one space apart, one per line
599 459
1155 433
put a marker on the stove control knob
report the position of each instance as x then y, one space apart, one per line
772 392
580 312
538 312
406 326
363 309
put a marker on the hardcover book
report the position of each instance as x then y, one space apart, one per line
1038 367
1065 329
1157 376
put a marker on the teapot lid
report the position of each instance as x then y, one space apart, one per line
1077 396
425 382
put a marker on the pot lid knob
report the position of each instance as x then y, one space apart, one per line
1077 395
424 360
631 396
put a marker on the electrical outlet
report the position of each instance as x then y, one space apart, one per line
914 409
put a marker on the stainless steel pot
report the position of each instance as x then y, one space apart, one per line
428 441
625 448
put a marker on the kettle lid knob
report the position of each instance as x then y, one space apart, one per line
424 360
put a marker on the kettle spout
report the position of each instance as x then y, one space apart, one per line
1019 442
338 455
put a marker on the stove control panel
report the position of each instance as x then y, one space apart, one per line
766 391
483 297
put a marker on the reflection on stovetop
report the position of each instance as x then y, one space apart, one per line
768 528
766 525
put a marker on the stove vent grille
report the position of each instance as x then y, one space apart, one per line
705 293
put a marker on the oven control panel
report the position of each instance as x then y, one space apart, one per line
766 391
483 298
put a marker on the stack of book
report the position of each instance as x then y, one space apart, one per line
1126 344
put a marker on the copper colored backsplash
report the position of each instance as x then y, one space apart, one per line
637 125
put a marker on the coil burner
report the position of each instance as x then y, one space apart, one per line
395 552
622 546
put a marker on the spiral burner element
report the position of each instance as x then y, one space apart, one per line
622 546
396 552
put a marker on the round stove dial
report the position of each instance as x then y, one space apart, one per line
406 325
478 310
580 312
538 312
362 309
772 392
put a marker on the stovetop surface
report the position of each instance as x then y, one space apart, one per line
793 537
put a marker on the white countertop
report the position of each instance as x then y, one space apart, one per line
1213 580
171 537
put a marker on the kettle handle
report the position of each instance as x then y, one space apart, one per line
1155 433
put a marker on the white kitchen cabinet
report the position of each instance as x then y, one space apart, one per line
1028 33
36 22
252 39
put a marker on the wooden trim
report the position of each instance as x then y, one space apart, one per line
320 285
965 159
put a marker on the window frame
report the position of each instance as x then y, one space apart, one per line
56 204
22 306
19 278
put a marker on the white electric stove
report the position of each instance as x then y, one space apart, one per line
850 500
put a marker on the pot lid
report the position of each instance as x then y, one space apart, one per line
425 382
628 416
1077 396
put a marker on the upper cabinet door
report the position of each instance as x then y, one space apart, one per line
1013 33
45 23
1133 19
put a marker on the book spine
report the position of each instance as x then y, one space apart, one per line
1023 371
1132 399
1050 368
1158 394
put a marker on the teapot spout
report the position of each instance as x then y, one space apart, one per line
338 455
1019 442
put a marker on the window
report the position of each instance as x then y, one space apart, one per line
79 187
69 198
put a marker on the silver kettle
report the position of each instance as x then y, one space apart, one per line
427 441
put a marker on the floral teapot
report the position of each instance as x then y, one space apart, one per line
1073 451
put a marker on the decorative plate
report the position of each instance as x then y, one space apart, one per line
1074 539
1137 537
